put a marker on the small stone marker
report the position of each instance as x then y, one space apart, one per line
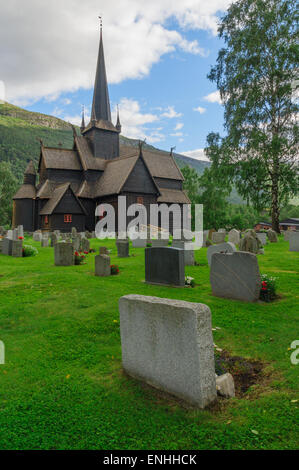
169 345
45 242
165 265
262 236
123 247
272 235
294 241
220 248
102 265
37 236
139 243
250 242
53 239
17 248
188 248
85 245
218 237
104 250
7 247
64 254
234 236
225 385
235 276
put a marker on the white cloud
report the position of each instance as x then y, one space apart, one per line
171 113
2 91
177 134
179 126
200 110
198 154
66 101
213 97
49 48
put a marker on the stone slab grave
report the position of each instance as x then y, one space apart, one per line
64 254
234 236
188 248
123 247
165 265
85 245
102 265
235 276
169 345
294 241
272 235
262 236
226 247
9 234
287 235
7 246
17 248
37 236
53 239
44 242
104 251
76 241
218 237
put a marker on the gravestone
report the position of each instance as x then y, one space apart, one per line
222 230
250 242
220 248
64 254
37 236
188 248
17 248
53 239
15 233
156 243
294 241
235 276
85 245
234 236
123 247
102 265
87 235
104 250
7 246
76 241
272 235
218 237
262 236
20 230
74 232
168 344
205 237
9 234
287 235
165 265
45 242
139 243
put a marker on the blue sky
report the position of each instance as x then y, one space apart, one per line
157 63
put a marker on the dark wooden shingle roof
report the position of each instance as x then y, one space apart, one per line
61 159
26 191
115 176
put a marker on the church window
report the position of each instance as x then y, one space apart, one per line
67 218
46 220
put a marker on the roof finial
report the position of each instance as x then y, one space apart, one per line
118 124
171 150
101 23
83 120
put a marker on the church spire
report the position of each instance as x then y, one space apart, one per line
101 103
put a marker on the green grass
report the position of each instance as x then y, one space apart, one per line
62 385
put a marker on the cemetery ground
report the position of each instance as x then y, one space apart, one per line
62 385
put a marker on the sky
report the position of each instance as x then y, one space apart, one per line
158 54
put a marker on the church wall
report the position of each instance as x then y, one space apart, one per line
64 176
68 204
169 183
90 207
56 222
23 213
105 143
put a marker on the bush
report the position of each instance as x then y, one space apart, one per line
268 288
29 250
114 269
80 257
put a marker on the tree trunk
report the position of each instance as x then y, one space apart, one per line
275 211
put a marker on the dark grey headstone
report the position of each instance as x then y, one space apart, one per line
122 248
235 276
7 247
188 248
165 265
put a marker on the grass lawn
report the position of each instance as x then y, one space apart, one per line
62 386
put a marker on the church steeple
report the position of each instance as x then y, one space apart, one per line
101 103
83 121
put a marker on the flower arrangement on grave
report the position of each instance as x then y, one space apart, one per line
29 250
268 288
114 269
20 238
80 257
189 281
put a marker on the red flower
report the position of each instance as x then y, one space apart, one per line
21 238
76 253
86 252
264 283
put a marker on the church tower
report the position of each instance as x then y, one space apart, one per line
101 133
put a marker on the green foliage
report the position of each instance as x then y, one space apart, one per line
62 384
8 186
29 250
256 74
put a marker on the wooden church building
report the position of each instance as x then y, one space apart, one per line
71 183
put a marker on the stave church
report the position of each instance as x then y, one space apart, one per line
68 185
